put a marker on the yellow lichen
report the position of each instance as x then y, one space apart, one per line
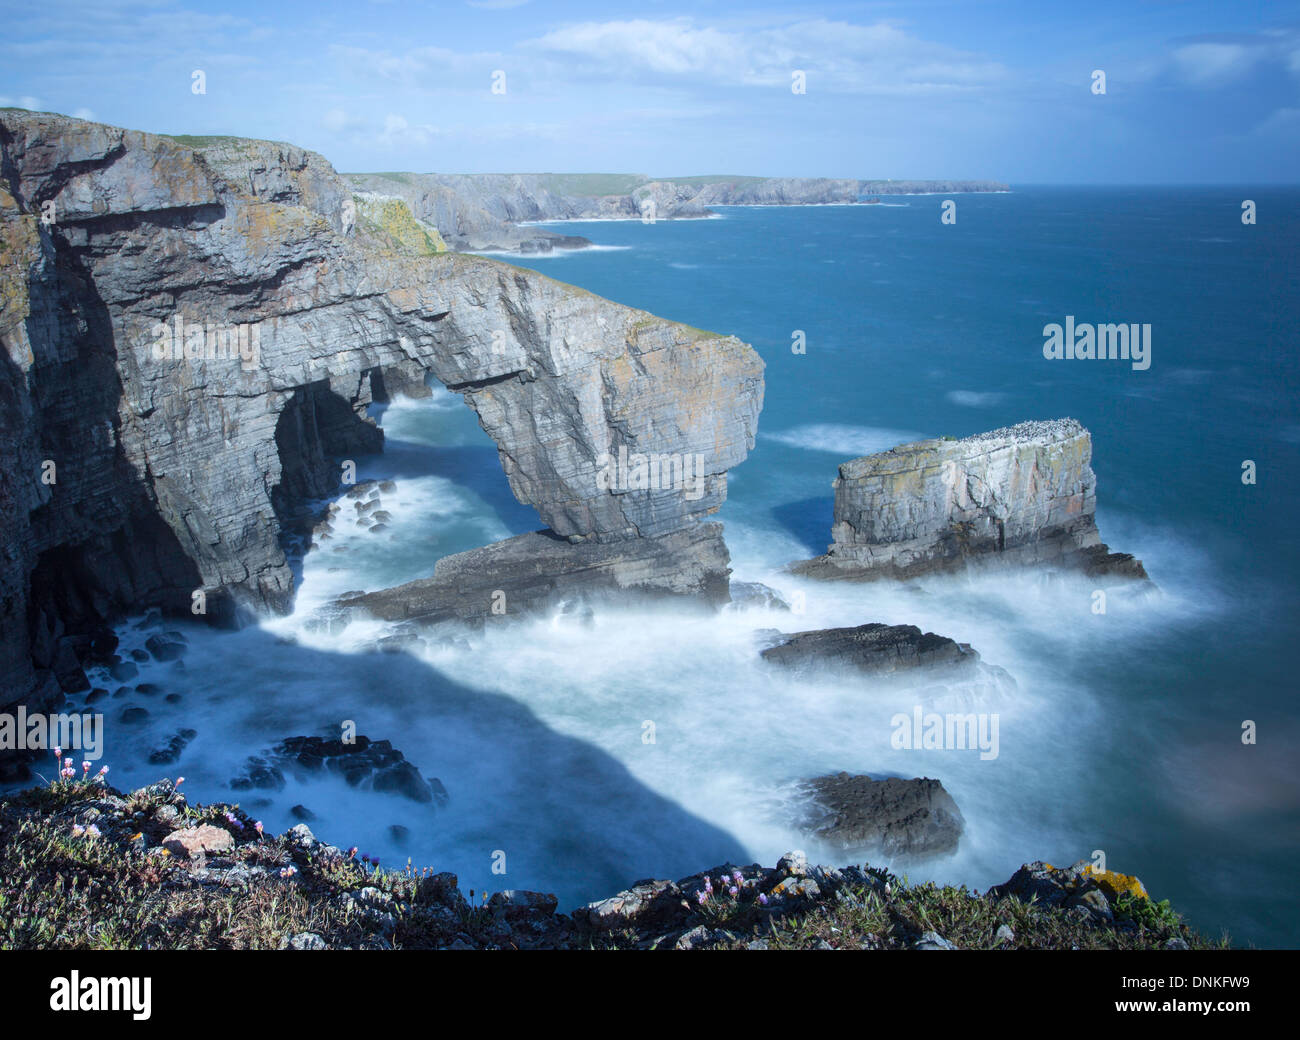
1115 884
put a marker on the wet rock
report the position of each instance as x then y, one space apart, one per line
753 595
133 716
148 689
139 656
875 649
540 571
260 774
124 670
171 751
166 647
97 694
363 762
909 819
301 812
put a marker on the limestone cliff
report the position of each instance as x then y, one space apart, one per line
480 212
192 330
1024 494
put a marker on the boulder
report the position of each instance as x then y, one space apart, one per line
903 819
192 842
875 649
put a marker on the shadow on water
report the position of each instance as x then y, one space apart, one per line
809 520
568 817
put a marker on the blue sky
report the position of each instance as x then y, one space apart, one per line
1195 92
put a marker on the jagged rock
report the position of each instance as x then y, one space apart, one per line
212 460
898 818
305 941
648 904
1025 494
932 941
516 903
364 762
302 813
536 571
876 649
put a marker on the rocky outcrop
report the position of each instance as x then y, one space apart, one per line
150 897
1025 494
193 331
535 571
371 764
900 819
875 649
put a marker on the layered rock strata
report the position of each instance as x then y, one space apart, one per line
487 212
193 331
1025 494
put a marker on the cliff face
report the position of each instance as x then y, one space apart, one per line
481 211
1024 494
191 337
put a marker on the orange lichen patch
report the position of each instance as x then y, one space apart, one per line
1115 884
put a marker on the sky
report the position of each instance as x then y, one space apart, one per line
1195 92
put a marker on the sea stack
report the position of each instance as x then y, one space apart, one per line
1025 494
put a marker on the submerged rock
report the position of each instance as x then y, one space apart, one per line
876 649
903 819
1025 494
364 762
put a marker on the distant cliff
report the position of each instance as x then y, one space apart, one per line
484 211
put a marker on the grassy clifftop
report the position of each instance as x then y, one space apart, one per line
84 866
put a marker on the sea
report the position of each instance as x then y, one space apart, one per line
583 754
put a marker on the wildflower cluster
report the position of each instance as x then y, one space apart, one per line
731 890
68 769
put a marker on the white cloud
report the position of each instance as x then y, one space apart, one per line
838 56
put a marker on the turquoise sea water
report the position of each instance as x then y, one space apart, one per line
919 327
1122 732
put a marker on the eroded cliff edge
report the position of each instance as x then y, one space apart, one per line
130 479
